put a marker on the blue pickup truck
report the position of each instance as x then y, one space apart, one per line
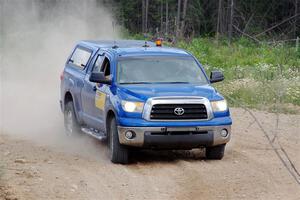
137 94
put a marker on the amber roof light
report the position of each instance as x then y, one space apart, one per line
158 42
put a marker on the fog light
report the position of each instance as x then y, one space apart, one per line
129 134
224 132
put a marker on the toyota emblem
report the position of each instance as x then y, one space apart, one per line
178 111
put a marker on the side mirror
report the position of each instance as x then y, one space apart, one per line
99 78
216 76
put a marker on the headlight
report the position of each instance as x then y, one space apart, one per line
130 106
219 106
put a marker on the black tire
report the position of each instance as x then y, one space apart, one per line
118 153
216 152
71 125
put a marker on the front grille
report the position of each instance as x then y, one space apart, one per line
166 112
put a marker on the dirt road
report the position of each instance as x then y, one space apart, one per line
80 169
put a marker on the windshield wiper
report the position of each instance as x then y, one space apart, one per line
172 82
136 83
156 82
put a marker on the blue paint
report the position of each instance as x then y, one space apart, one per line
76 83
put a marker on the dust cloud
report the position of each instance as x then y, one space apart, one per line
35 39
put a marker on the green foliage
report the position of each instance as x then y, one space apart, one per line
259 76
242 52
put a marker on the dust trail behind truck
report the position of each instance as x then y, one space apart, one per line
35 38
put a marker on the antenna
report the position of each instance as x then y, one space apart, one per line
114 37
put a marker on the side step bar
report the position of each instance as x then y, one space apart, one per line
94 133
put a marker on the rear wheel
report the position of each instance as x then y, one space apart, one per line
216 152
71 125
118 152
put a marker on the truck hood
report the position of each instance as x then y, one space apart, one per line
141 92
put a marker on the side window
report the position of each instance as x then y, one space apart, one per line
97 64
105 68
80 57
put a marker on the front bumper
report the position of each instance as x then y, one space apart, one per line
174 137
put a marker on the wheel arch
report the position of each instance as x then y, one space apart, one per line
67 98
110 115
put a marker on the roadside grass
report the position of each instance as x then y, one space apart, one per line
265 77
242 52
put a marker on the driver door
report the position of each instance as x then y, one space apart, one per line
93 116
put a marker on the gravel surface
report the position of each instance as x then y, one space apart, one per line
79 168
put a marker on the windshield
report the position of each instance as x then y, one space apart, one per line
159 70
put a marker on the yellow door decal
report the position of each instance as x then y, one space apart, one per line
100 100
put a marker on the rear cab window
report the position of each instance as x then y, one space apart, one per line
80 57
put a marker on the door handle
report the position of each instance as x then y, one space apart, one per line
95 88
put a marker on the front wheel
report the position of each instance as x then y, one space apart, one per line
70 121
216 152
118 152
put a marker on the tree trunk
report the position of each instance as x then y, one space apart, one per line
177 22
161 17
143 16
295 22
230 21
167 17
182 28
146 16
226 20
219 20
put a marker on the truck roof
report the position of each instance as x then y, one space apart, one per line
133 47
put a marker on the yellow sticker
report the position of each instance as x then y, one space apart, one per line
100 100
